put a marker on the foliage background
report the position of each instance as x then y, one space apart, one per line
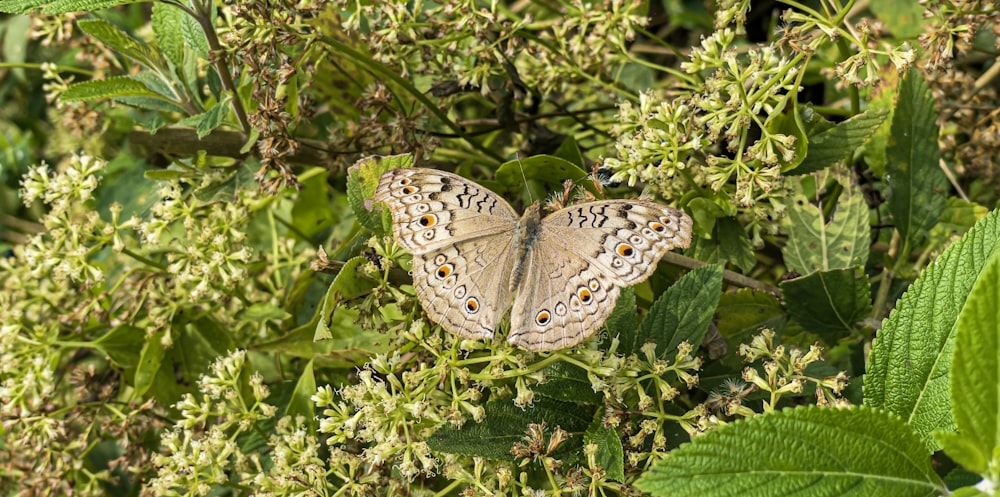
169 169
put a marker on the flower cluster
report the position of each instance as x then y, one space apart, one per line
784 372
667 142
472 45
203 450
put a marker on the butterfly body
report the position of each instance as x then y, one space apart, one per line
474 257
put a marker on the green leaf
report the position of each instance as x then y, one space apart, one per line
810 451
348 284
362 179
904 18
123 344
830 144
975 375
207 121
610 453
120 42
64 6
507 424
150 360
301 403
918 184
312 212
569 151
542 172
729 243
742 314
815 244
263 311
20 6
167 20
194 36
624 318
568 383
958 217
682 313
119 86
829 302
908 371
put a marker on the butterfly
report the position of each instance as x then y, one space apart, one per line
474 257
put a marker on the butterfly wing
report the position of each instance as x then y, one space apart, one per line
584 254
461 236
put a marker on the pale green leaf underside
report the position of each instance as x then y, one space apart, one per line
908 371
114 87
807 451
816 245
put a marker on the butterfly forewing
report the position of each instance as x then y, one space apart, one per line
460 235
433 209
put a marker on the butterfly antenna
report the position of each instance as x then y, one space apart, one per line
525 178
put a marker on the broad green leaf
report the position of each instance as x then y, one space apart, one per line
975 376
194 36
568 383
908 371
301 402
16 34
682 313
742 314
166 21
958 217
64 6
20 6
263 311
809 451
569 151
312 212
150 360
624 318
729 244
207 121
120 42
123 344
817 245
610 453
831 143
507 424
348 284
542 172
918 184
881 97
119 86
198 344
362 179
904 18
828 302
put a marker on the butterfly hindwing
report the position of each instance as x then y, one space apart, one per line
563 302
463 286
